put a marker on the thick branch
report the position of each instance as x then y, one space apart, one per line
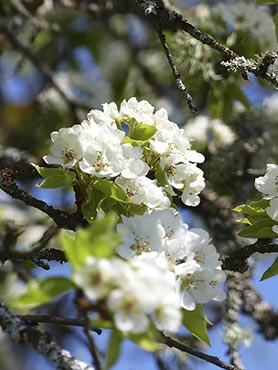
232 329
61 218
260 311
22 332
238 260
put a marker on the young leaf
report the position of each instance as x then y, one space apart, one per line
143 132
271 271
48 171
111 190
260 229
99 239
253 208
90 207
42 291
113 349
196 322
133 142
57 181
54 177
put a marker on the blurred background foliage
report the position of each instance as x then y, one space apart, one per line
102 50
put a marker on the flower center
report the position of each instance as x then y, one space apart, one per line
188 283
68 154
139 247
100 165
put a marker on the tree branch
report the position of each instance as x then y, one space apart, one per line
171 19
22 332
238 260
232 329
44 69
61 218
203 356
59 320
179 83
260 311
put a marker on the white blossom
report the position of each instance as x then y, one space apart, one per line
135 291
204 253
141 111
109 114
200 286
211 132
140 234
248 17
191 257
268 184
194 183
272 209
67 147
134 165
95 277
142 190
102 160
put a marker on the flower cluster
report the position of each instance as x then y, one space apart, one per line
164 266
212 133
268 185
139 150
248 17
191 258
133 292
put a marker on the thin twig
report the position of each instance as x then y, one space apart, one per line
92 345
179 83
49 233
59 320
169 19
192 351
50 254
45 70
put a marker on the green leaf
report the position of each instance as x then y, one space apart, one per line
271 271
133 142
90 207
58 181
260 229
41 291
244 221
142 132
265 2
54 177
48 171
196 322
160 175
113 349
99 239
111 190
253 208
